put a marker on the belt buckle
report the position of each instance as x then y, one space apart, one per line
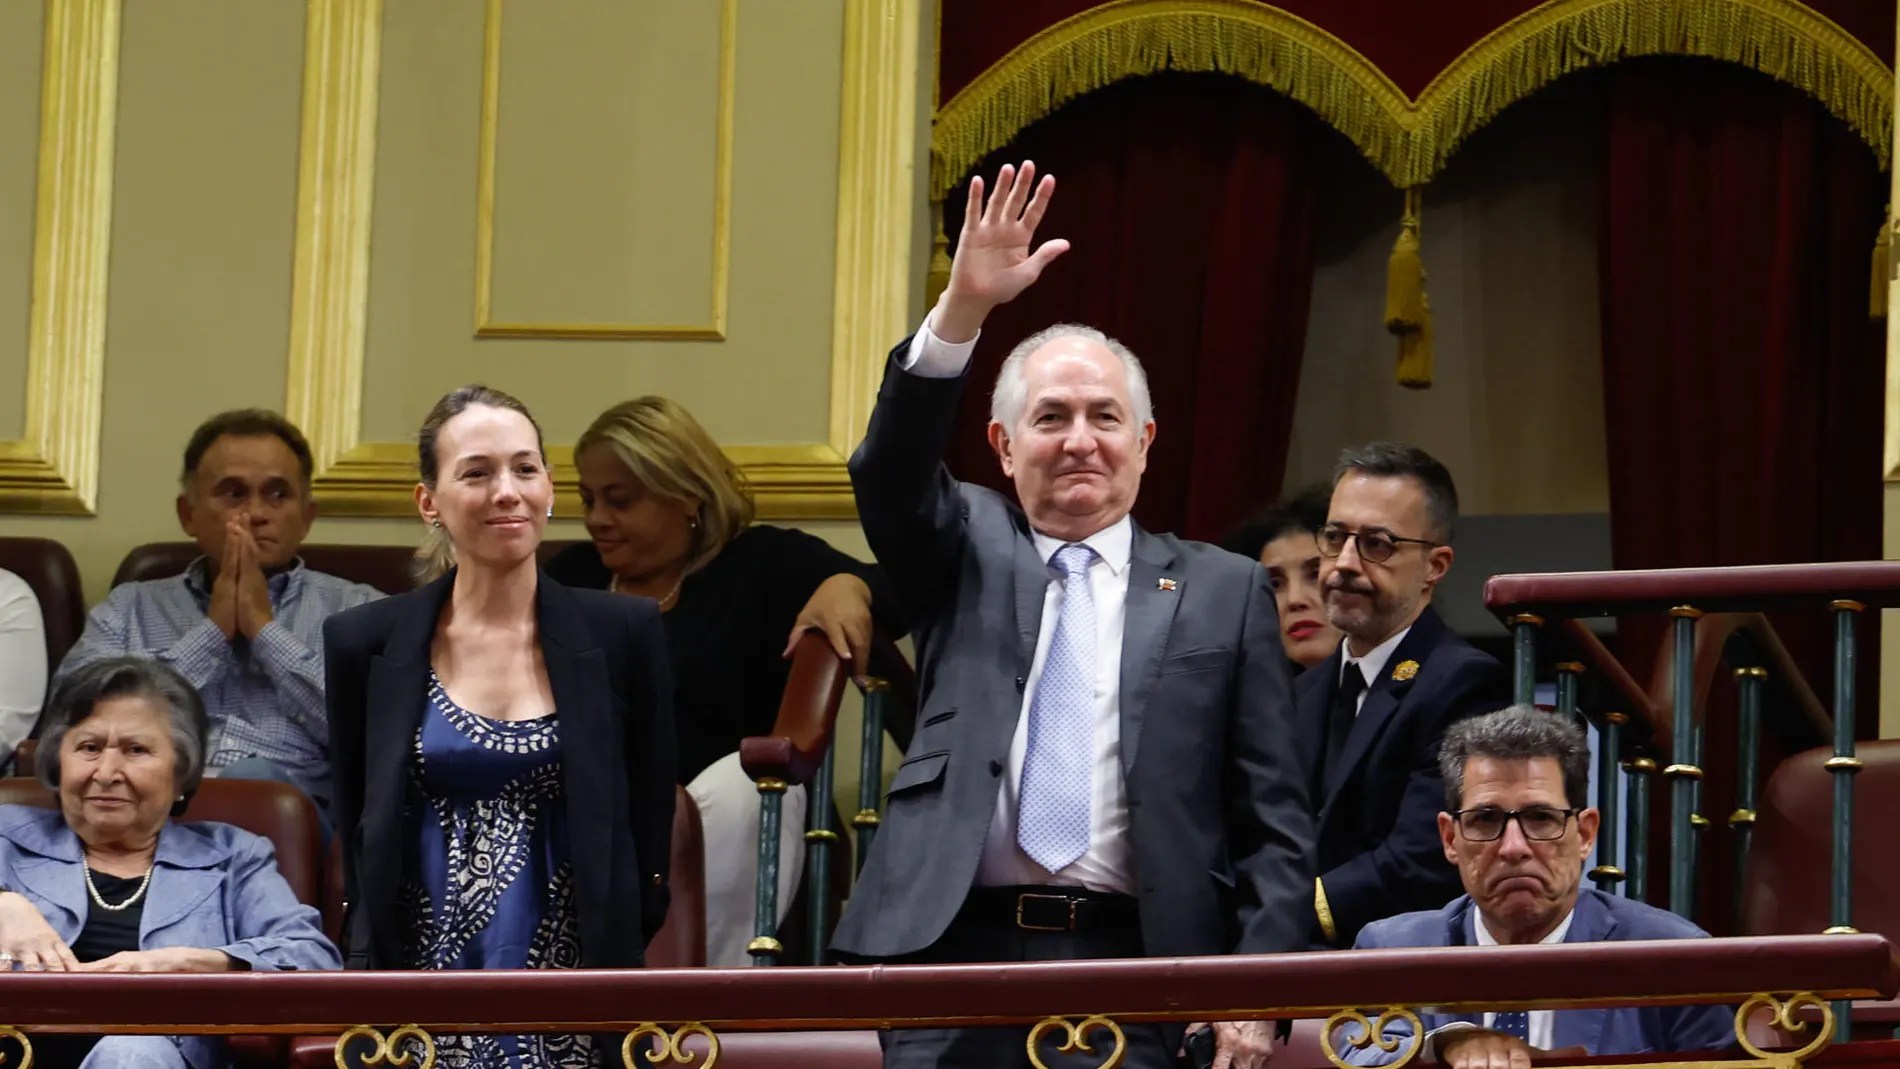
1022 899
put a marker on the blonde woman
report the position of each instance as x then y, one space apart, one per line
671 519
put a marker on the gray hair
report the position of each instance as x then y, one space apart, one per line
122 677
1012 393
1519 733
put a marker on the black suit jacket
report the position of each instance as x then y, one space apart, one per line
1379 851
1219 821
613 690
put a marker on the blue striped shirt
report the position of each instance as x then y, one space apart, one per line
264 697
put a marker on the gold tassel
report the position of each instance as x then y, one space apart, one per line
1415 351
1405 273
1883 270
937 279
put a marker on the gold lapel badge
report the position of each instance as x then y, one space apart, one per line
1405 670
1165 584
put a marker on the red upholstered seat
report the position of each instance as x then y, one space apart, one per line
1787 889
48 567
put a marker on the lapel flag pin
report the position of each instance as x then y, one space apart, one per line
1164 584
1405 670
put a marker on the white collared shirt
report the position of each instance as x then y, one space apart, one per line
1540 1025
1372 665
1108 865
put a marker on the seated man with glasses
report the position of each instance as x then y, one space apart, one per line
1380 704
1519 839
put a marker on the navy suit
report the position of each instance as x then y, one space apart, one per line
1378 849
1599 918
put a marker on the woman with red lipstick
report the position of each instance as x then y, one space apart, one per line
1281 537
671 520
502 744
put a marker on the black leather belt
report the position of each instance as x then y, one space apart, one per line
1050 909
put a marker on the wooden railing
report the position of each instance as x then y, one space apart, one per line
1350 991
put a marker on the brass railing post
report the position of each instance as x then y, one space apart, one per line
1748 682
1683 771
765 947
1639 770
1524 656
1843 766
870 767
1609 802
818 844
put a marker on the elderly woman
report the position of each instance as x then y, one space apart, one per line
107 883
671 520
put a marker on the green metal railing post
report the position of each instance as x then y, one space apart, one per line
819 841
1748 682
1639 770
870 767
1683 771
765 947
1843 766
1524 656
1609 743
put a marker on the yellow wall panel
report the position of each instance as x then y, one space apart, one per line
20 39
606 163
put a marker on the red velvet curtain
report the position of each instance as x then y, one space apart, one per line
1742 375
1190 203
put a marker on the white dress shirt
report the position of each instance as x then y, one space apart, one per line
22 661
1539 1024
1372 665
1108 864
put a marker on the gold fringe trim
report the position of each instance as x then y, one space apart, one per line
1408 310
1407 140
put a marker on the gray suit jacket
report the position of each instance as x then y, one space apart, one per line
1215 770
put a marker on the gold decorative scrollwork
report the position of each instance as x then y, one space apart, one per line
1785 1019
1076 1041
671 1047
388 1049
7 1031
1372 1033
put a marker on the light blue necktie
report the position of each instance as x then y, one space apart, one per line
1513 1023
1052 821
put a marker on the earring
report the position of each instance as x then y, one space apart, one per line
550 512
436 523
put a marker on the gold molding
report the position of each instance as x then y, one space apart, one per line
871 303
53 468
335 192
485 324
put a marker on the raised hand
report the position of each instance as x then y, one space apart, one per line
994 262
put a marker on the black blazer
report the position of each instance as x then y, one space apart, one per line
613 690
1379 851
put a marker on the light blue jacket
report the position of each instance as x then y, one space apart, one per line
1598 918
213 886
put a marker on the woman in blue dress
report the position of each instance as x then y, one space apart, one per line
502 745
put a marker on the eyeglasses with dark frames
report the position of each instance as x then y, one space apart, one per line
1375 544
1539 823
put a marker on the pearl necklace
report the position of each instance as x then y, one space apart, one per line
133 897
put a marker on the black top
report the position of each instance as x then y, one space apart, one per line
727 631
109 931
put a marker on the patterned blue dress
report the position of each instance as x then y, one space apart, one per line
491 885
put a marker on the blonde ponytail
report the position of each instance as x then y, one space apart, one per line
434 557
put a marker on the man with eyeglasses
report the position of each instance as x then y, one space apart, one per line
1382 702
1519 839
